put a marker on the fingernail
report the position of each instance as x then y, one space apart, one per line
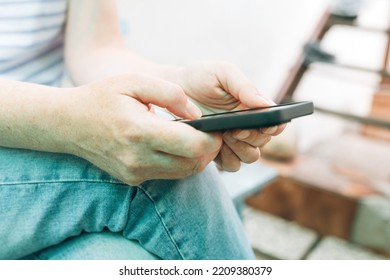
229 137
193 110
219 167
242 135
270 130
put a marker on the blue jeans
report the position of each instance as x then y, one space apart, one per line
57 206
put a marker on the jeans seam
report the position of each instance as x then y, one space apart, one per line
148 195
61 181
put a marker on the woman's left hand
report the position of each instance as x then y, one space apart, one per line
220 87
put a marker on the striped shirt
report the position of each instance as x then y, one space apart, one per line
31 40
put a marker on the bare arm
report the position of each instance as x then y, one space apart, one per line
95 48
28 112
107 122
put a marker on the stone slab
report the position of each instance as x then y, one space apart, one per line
332 248
372 223
276 237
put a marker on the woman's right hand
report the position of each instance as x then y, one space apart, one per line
110 124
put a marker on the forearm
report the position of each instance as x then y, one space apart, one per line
95 48
31 116
106 61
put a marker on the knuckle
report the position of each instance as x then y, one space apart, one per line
133 135
135 167
236 168
134 181
133 171
265 141
132 168
201 165
197 149
225 65
188 172
177 94
186 169
231 167
176 89
192 167
262 140
252 156
253 136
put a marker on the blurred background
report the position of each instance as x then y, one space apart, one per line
322 188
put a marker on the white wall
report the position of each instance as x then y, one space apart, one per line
262 37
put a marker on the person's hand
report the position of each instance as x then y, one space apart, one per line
218 87
110 124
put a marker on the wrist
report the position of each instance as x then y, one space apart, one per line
31 116
66 124
60 125
51 125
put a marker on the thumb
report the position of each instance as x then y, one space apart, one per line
164 94
237 84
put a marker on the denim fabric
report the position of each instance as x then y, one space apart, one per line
55 204
103 245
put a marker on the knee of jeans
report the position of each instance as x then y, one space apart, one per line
96 246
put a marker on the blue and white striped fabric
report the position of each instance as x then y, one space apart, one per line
31 40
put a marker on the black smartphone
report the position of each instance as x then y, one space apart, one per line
252 118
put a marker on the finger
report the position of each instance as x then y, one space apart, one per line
167 166
179 139
274 130
229 160
237 84
218 162
244 151
254 137
163 94
157 165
